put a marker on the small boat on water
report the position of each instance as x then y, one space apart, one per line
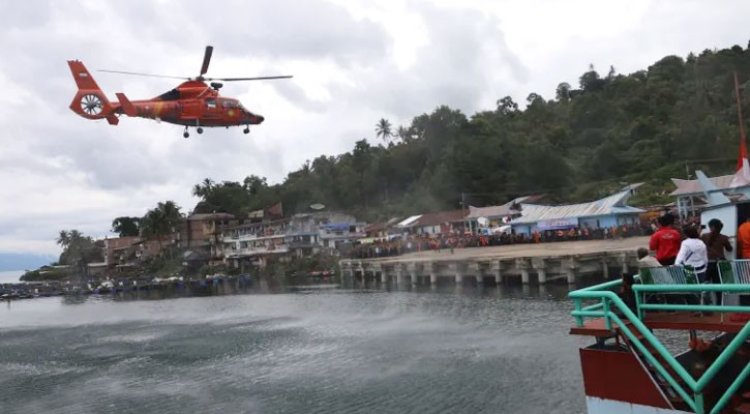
104 288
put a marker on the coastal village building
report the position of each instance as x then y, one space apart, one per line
607 212
201 237
298 236
201 230
339 231
381 231
116 249
494 217
443 222
691 197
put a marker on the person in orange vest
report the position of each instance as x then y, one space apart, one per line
743 239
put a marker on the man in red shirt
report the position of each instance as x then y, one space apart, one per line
666 241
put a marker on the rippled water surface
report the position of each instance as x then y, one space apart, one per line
307 351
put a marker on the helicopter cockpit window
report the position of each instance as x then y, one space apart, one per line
172 95
227 103
211 103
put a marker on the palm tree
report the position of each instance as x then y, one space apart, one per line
202 189
198 190
161 221
383 129
78 251
63 239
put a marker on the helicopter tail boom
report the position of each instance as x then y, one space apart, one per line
90 101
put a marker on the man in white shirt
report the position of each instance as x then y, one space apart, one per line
693 253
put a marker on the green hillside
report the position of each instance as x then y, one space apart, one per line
677 115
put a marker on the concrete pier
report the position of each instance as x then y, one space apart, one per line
497 271
549 262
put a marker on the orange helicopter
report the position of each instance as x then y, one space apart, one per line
193 103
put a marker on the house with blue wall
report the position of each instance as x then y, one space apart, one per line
611 211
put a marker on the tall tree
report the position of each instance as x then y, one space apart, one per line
203 188
383 130
63 239
161 221
78 251
126 226
562 93
507 106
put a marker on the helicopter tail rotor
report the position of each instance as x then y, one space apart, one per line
90 101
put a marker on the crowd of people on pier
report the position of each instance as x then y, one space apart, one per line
424 242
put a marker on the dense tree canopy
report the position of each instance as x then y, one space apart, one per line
161 221
78 250
651 125
126 226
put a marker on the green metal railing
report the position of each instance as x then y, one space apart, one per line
609 301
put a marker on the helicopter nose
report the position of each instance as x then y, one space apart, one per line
260 118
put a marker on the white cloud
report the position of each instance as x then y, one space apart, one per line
354 62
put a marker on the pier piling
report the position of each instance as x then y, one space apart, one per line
547 267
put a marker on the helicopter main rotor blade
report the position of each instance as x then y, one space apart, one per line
122 72
250 79
206 59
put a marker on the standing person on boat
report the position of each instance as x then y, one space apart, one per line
743 239
717 244
665 241
694 253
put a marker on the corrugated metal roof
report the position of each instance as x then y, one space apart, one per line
436 219
614 204
383 225
408 221
693 187
495 211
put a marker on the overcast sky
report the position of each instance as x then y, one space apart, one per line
354 62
